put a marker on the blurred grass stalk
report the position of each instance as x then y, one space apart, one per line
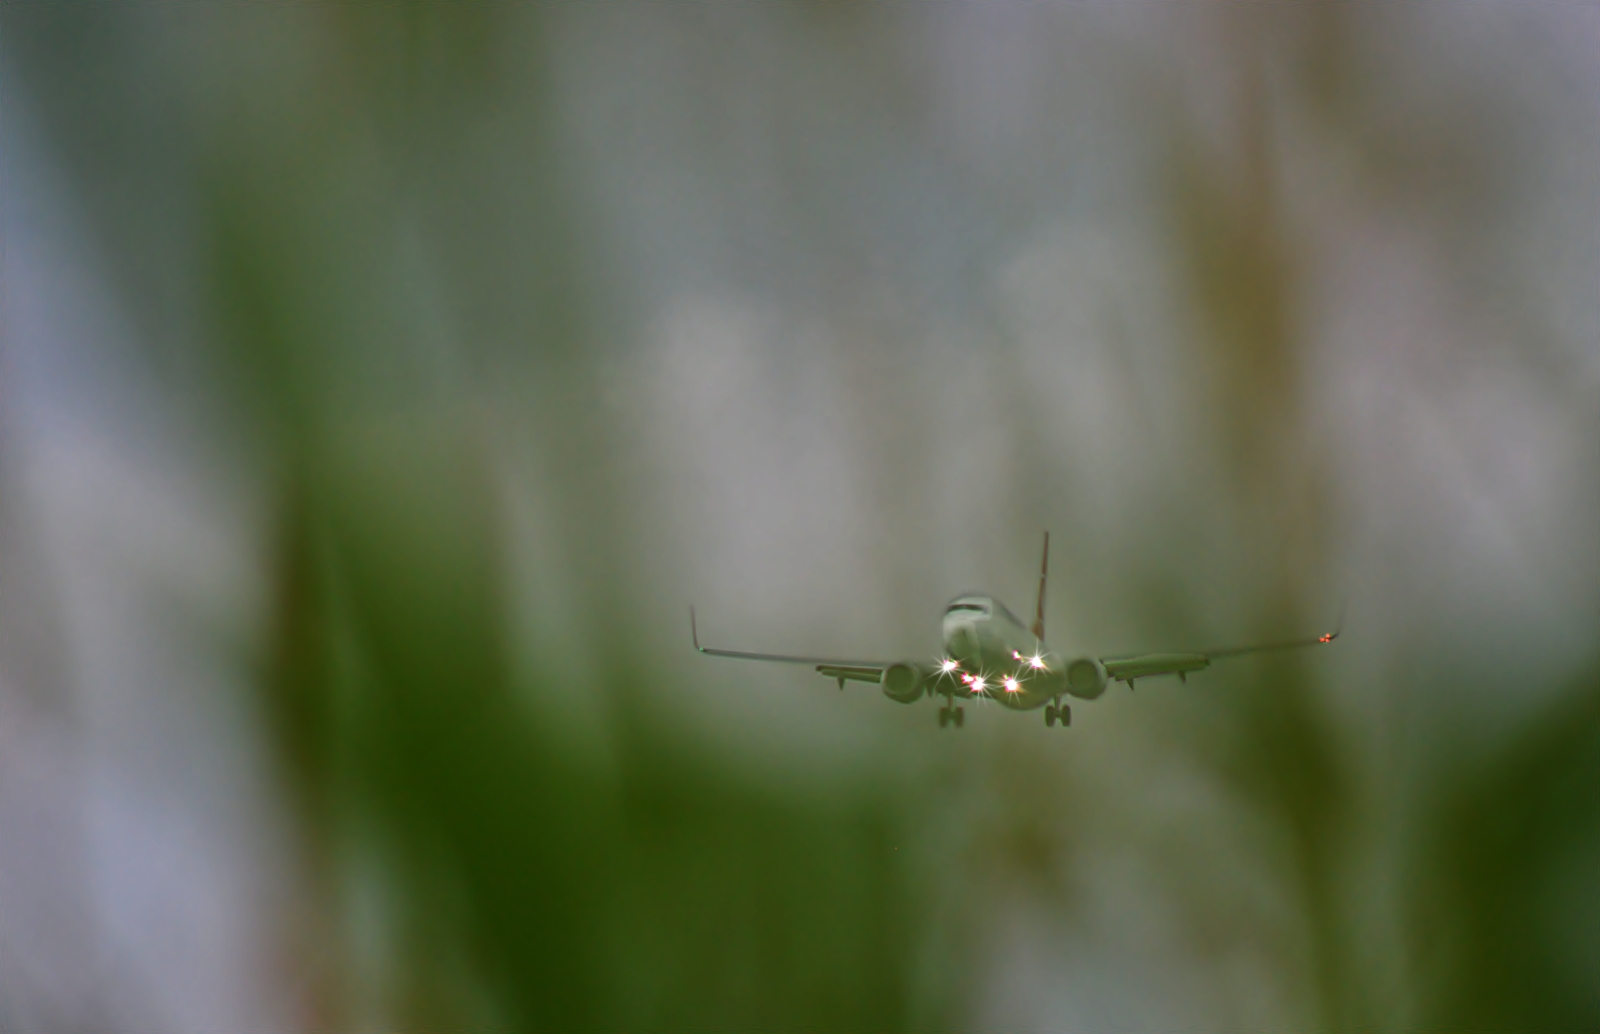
512 885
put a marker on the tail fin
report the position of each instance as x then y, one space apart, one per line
1044 572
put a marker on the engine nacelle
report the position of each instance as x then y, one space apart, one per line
902 683
1086 678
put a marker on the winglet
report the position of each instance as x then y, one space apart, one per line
1044 572
694 633
1338 626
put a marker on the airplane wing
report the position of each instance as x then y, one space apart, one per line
1128 669
834 668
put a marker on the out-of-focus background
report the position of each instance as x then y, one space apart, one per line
380 383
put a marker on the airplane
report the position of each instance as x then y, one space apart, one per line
989 654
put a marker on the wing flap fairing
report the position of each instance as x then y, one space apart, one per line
1150 665
853 672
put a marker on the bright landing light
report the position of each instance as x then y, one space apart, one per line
1036 661
947 665
977 684
1011 685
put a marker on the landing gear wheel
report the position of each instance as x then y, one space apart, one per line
1050 714
961 715
1066 716
944 717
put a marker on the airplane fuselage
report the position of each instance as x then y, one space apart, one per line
989 652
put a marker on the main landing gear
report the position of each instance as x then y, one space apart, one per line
1052 714
949 714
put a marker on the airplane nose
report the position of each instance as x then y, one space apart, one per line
962 641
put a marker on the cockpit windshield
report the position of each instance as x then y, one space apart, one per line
980 608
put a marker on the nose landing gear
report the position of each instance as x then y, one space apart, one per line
1053 714
951 714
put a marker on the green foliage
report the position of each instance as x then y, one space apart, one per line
669 894
1502 884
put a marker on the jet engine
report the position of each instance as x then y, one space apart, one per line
1086 678
902 683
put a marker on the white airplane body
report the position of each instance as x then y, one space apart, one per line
990 654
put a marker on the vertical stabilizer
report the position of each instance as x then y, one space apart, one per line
1044 573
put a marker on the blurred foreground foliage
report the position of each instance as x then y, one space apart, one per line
526 890
1506 924
466 869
